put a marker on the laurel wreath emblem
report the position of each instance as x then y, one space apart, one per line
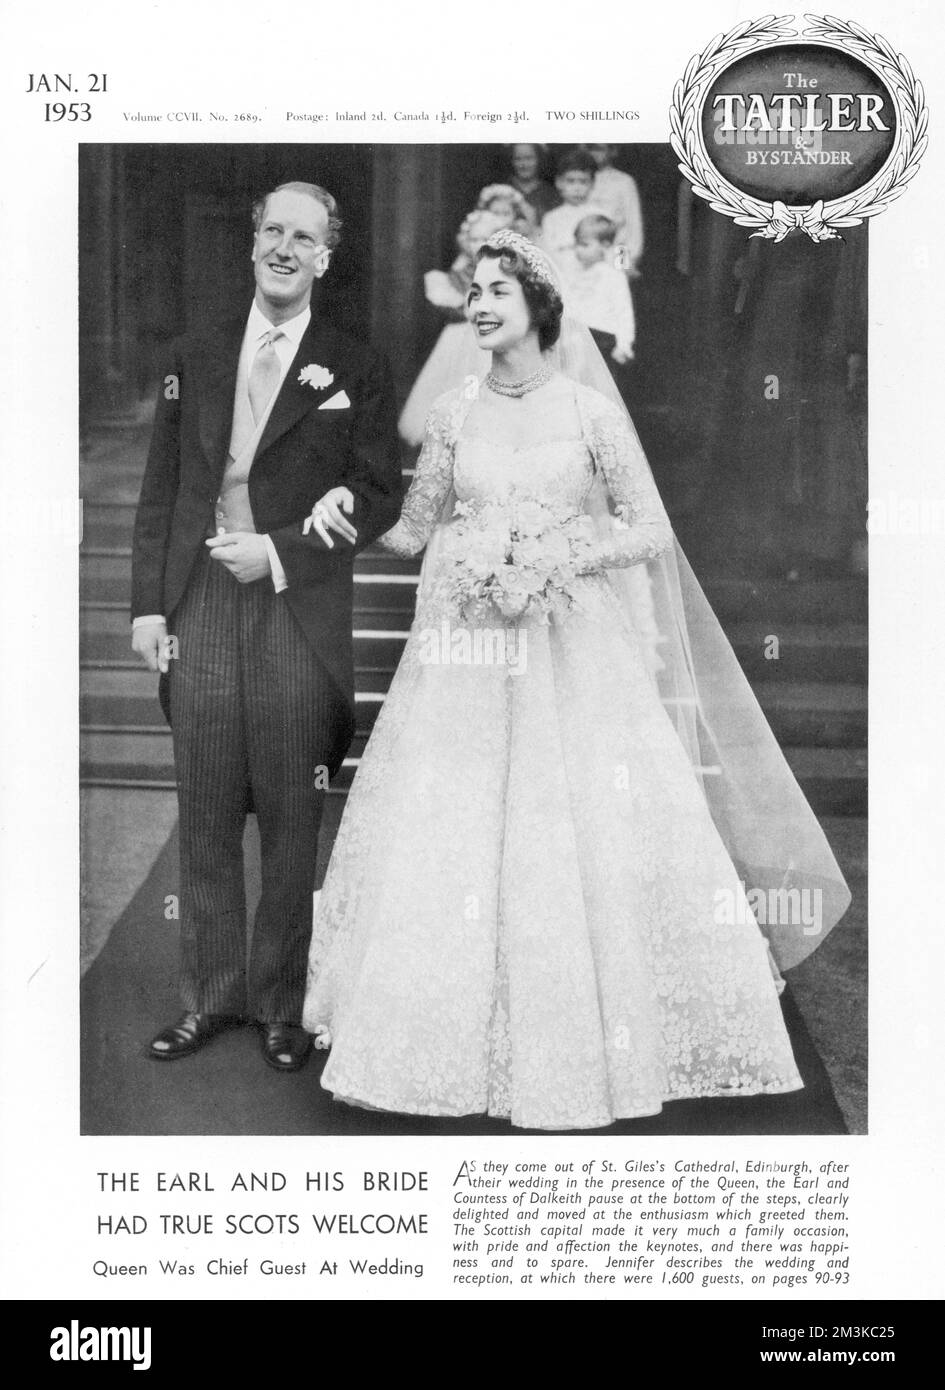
822 220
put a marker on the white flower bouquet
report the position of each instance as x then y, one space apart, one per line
521 557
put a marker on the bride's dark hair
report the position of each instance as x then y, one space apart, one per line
544 302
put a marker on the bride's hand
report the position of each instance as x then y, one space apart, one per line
328 512
596 560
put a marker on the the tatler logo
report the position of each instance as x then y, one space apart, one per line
785 133
75 1343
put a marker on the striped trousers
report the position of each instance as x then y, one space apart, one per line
255 722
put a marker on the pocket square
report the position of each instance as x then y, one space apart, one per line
339 401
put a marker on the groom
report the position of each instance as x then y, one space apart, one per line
259 422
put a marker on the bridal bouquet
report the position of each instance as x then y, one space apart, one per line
521 556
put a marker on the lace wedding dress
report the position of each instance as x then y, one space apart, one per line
521 913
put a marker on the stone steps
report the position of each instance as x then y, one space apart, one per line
813 691
834 780
828 716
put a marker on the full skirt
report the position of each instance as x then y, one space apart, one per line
529 911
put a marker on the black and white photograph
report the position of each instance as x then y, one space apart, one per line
492 564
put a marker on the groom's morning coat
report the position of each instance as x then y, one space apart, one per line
303 452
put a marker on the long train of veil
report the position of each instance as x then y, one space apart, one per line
792 880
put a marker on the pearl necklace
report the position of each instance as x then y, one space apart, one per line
518 388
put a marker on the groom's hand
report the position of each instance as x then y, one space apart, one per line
244 554
149 640
328 512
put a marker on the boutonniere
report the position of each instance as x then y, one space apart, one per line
319 378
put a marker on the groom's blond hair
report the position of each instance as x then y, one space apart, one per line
313 190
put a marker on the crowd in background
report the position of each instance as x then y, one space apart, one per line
586 217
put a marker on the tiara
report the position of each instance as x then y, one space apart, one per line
537 262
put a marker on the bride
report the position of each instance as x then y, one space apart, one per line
571 823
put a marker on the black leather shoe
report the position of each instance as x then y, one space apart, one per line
188 1034
286 1046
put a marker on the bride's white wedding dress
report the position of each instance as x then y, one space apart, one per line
521 914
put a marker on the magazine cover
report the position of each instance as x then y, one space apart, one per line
473 557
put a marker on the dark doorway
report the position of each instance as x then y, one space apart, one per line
165 235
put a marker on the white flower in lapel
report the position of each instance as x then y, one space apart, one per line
319 378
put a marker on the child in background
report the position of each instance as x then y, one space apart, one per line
506 203
615 193
455 348
574 181
597 293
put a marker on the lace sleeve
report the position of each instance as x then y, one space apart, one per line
642 530
430 488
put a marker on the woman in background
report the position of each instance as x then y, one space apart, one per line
528 178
